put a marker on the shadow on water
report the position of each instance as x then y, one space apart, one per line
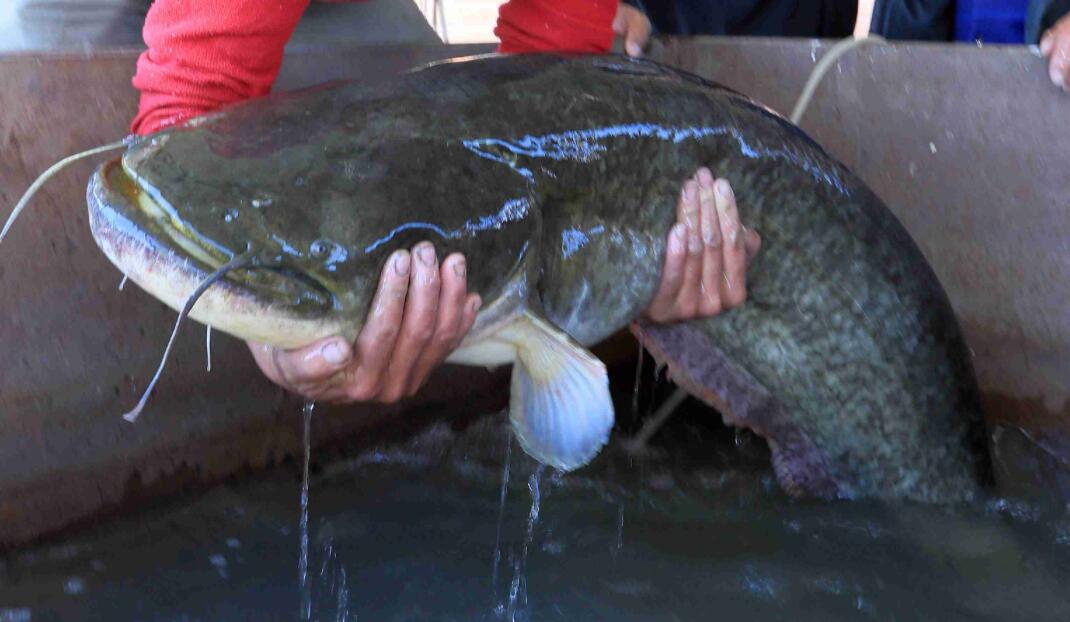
410 531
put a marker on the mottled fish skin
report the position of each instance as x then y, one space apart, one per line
566 169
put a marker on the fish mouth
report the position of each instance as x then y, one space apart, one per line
271 304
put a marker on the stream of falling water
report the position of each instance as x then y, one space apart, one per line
208 346
620 531
518 589
302 562
638 378
499 606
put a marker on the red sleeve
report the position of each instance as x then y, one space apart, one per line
204 54
556 25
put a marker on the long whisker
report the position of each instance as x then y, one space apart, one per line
48 174
238 263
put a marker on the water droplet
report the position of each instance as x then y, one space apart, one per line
299 181
218 560
230 215
20 614
73 586
233 543
261 201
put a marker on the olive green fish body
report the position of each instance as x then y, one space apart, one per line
557 177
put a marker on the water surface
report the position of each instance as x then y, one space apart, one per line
437 528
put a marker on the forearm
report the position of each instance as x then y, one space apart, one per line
864 18
556 25
205 54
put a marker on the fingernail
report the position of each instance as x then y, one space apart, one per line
459 267
689 191
633 49
1046 43
1056 76
706 195
711 234
705 177
676 239
426 253
475 305
694 243
334 353
733 236
724 188
401 263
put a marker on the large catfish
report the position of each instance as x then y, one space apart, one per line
557 177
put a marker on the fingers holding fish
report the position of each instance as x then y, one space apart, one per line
706 256
375 344
710 303
417 323
309 371
672 275
420 314
689 294
734 283
676 296
450 323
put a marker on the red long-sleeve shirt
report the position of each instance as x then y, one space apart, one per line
204 54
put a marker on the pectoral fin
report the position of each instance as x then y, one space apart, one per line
560 406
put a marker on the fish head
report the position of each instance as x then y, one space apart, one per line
168 221
320 187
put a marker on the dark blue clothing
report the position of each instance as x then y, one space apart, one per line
1042 15
925 20
766 18
893 19
914 20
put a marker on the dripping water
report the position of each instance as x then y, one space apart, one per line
343 596
208 345
302 562
498 606
638 377
516 594
122 283
620 531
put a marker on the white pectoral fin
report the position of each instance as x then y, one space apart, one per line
560 405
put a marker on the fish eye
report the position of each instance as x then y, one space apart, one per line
326 248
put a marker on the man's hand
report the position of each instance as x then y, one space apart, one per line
707 254
1055 46
634 26
420 314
